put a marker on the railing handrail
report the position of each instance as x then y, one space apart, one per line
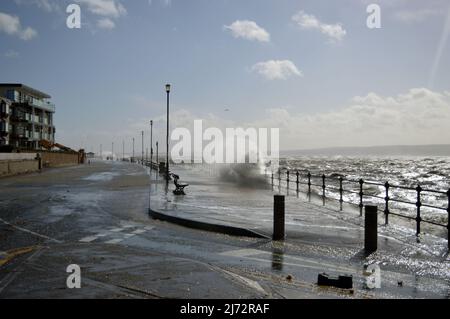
307 178
372 183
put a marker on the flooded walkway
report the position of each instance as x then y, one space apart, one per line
96 216
326 233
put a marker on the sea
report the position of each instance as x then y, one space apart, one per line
432 173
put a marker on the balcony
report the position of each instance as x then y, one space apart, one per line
45 105
41 104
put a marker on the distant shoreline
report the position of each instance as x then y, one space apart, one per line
390 150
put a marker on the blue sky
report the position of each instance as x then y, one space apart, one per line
308 67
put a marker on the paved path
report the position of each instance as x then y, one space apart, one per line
97 217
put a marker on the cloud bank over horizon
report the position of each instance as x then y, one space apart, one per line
417 117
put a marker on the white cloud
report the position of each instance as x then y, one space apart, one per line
309 22
46 5
11 54
106 24
419 116
277 69
106 8
416 16
248 30
165 3
11 25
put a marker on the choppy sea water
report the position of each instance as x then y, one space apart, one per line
431 173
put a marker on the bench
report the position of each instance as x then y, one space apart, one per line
179 188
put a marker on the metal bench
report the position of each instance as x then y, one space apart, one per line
179 188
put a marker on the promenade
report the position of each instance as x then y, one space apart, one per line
97 216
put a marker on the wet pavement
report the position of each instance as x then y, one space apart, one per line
96 216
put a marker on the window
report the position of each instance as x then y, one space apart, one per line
11 95
4 127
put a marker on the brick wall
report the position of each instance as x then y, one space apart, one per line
16 167
22 163
57 159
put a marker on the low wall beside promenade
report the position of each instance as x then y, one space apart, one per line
22 163
18 163
59 159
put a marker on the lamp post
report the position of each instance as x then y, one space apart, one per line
142 147
168 87
151 142
157 153
133 151
112 152
123 151
101 151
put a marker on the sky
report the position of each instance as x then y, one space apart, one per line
313 69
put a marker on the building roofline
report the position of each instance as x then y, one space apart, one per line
28 89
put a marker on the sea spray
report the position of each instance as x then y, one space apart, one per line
246 175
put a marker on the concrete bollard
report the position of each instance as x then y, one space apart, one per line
278 218
371 229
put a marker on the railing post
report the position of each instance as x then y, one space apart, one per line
287 179
448 219
309 183
298 182
341 190
386 206
371 229
272 178
279 217
279 177
361 196
323 185
418 205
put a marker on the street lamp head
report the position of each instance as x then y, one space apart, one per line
168 88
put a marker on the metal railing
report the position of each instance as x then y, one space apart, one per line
148 163
323 183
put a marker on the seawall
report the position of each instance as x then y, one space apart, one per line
23 163
16 164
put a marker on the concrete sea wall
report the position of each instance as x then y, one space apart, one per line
58 159
22 163
18 166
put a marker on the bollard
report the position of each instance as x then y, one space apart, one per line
39 159
162 167
371 229
278 218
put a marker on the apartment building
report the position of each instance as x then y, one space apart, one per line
26 116
4 121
